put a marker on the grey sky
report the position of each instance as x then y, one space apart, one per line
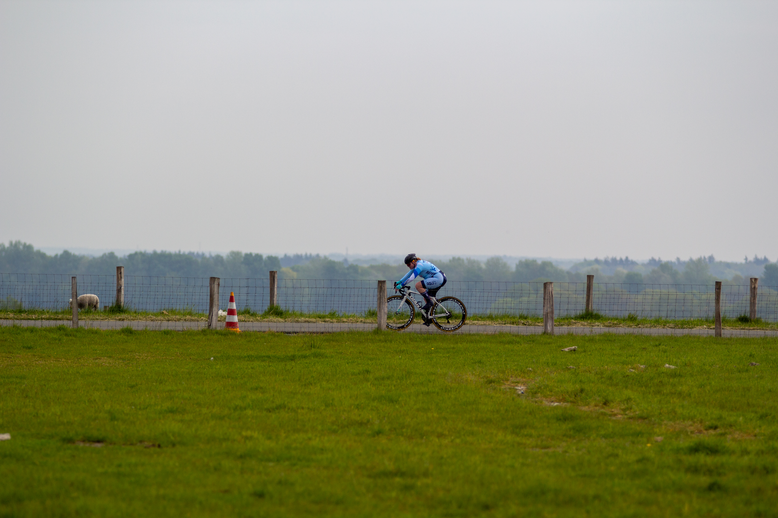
534 128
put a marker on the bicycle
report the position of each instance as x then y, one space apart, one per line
447 313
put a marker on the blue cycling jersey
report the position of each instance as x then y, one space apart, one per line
423 269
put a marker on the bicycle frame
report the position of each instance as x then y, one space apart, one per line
408 294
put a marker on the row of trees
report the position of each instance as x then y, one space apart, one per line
719 269
461 269
18 257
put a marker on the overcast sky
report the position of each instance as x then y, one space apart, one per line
526 128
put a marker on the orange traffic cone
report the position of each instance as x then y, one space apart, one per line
232 315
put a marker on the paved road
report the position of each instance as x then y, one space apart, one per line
322 327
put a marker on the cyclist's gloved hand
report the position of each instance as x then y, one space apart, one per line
398 285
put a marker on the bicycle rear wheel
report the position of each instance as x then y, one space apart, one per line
399 312
449 314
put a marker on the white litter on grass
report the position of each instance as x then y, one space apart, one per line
668 366
5 436
212 357
570 349
222 313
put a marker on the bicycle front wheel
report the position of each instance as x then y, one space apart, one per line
399 312
449 314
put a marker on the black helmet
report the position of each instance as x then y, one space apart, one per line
409 259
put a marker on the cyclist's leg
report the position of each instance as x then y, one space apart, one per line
431 287
423 292
433 291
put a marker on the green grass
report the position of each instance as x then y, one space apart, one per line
631 320
133 423
591 315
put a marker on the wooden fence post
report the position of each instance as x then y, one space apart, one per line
381 305
273 299
548 308
120 286
752 307
74 301
213 303
718 309
589 293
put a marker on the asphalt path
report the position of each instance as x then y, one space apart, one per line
325 327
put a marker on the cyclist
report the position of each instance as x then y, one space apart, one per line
432 279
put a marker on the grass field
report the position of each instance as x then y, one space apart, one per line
123 423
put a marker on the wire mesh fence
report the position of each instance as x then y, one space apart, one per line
616 300
185 300
344 297
50 291
147 294
515 299
682 301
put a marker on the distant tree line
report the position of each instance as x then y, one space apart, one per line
293 260
614 262
653 262
19 257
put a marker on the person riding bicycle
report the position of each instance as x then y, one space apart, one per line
432 279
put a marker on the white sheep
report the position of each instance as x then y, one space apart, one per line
87 301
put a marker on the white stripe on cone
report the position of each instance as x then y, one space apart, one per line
232 314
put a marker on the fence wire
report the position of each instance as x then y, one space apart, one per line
682 301
343 297
168 297
51 291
